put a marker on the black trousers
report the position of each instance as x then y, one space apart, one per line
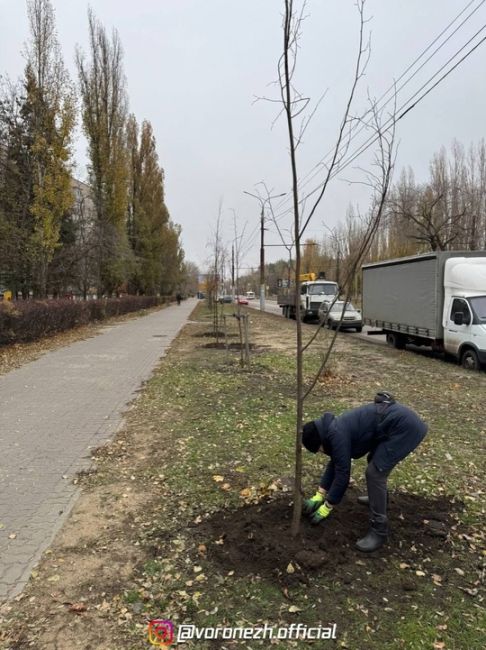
377 494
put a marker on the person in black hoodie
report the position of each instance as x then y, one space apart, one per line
385 430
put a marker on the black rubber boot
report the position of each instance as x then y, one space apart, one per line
365 500
372 541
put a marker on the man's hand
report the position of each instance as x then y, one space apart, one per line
321 513
310 505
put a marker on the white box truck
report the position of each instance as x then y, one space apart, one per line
437 299
312 293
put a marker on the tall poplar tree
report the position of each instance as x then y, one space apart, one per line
148 217
172 259
16 221
104 110
48 115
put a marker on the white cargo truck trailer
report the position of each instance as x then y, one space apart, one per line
437 299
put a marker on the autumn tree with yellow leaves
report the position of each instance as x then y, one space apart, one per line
48 116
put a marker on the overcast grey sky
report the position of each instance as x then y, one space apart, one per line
194 68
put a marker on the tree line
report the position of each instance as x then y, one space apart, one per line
445 212
112 234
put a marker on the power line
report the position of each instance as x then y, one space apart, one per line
312 174
403 111
397 90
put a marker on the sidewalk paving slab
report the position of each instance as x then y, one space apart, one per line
53 412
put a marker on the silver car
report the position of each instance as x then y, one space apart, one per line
330 314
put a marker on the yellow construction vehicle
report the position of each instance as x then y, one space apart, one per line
5 294
307 277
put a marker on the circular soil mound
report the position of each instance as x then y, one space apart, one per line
231 346
256 539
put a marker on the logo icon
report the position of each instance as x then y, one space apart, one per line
160 633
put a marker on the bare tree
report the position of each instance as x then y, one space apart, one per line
190 278
431 224
213 277
304 208
74 263
448 211
238 247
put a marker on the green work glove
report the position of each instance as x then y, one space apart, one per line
310 505
321 513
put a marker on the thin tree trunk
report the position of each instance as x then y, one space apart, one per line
296 514
247 341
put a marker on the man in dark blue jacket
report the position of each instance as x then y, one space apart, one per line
385 430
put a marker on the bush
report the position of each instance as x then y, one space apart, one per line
33 319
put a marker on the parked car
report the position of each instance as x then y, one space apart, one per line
223 299
242 300
330 314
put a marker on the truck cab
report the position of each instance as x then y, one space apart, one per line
464 318
314 293
436 299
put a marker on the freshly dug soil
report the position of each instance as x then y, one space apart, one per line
256 539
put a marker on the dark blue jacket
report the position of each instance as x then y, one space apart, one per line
388 431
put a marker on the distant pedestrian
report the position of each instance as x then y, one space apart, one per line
385 430
179 298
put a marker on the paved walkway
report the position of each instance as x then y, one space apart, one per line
52 412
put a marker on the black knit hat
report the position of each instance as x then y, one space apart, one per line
384 397
311 438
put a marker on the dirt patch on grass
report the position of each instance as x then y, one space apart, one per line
256 538
211 334
329 578
221 345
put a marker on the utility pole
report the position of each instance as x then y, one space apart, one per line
233 270
262 260
262 242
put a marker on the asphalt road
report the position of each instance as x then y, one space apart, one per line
272 307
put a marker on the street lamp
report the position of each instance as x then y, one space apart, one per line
262 245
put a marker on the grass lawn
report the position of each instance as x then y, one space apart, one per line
186 514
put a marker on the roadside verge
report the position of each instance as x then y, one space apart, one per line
186 515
